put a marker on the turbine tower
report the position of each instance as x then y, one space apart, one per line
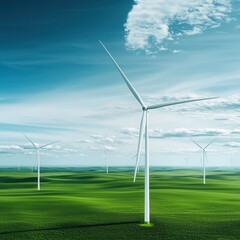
204 156
38 156
144 128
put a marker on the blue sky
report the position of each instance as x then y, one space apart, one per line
57 83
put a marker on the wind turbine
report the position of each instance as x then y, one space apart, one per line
38 156
204 157
144 124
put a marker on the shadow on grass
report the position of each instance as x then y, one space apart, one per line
69 227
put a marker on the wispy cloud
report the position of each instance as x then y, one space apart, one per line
232 144
97 142
151 22
176 51
184 132
10 149
27 149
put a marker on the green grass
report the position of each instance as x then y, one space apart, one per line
88 204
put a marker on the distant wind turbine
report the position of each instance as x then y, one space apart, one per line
144 124
204 157
38 156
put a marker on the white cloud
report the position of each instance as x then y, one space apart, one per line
194 31
150 22
28 148
130 131
109 148
162 48
232 144
97 142
84 141
101 142
177 51
10 147
184 132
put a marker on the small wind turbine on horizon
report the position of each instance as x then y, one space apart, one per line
144 127
204 156
37 159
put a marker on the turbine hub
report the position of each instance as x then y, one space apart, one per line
144 108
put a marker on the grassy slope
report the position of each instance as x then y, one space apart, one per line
93 205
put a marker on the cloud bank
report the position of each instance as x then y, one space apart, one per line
150 22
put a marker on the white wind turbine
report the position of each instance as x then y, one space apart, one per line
144 124
204 157
38 156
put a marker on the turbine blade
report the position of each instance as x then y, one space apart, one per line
130 86
210 143
142 126
161 105
30 141
205 154
48 144
195 143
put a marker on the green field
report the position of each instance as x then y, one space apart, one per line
88 204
